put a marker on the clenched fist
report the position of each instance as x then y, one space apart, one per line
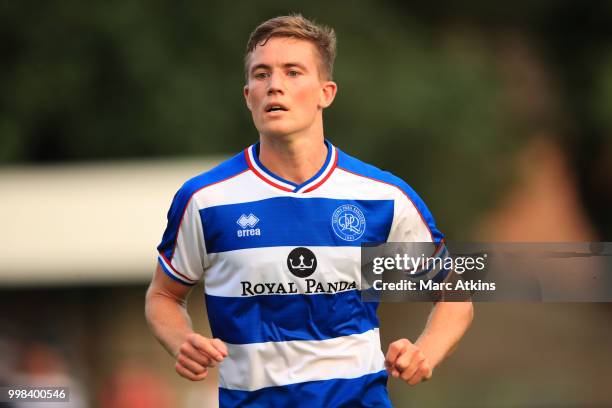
196 354
405 360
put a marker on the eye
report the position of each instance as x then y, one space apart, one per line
293 73
261 75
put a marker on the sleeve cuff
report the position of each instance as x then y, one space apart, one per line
173 273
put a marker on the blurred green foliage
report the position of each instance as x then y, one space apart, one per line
420 89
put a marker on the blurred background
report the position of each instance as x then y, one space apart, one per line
498 115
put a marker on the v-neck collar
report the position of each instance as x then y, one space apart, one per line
312 183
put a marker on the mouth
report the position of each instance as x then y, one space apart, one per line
275 107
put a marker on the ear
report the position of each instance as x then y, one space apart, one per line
328 93
245 92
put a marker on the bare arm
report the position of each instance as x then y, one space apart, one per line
166 314
447 323
166 311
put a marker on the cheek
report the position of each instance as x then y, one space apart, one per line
309 98
254 97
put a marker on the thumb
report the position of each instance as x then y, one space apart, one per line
220 347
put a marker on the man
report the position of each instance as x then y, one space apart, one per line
275 233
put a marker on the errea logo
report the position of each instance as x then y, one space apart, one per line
247 223
247 220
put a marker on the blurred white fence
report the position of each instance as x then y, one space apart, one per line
86 223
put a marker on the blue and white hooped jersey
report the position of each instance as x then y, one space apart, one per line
281 270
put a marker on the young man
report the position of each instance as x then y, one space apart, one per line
275 233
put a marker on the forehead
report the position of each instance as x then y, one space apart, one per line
284 50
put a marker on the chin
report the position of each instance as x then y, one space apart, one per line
277 131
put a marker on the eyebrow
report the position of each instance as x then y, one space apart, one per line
286 65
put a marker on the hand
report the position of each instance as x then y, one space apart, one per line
407 361
196 354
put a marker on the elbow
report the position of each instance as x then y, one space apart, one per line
149 305
468 313
153 305
159 299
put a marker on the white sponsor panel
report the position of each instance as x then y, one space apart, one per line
236 274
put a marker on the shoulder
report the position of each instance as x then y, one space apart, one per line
224 171
404 193
362 169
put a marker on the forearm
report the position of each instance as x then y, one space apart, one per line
446 325
168 319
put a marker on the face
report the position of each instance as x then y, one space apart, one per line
285 91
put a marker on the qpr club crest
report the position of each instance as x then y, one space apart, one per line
348 222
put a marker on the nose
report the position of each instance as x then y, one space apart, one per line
275 84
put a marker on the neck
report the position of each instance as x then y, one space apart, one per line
295 159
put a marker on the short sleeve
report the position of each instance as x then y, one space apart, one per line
412 220
414 224
182 252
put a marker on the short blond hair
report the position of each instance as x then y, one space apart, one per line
296 26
